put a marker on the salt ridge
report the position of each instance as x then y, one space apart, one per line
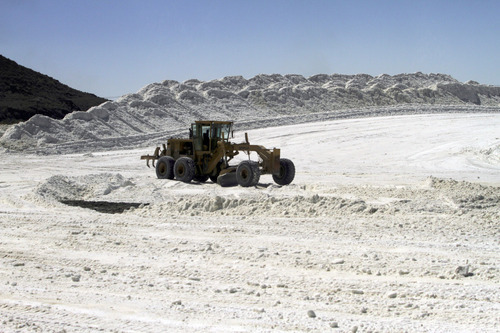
162 110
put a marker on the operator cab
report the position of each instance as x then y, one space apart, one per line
206 134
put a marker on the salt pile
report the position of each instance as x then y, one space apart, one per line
161 110
438 196
454 197
83 187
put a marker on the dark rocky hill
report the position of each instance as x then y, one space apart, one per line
24 93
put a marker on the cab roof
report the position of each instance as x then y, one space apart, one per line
213 122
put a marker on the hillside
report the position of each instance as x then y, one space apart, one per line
161 110
24 93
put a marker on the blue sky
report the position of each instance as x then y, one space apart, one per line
114 47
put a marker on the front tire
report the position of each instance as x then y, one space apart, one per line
287 172
165 167
248 173
184 169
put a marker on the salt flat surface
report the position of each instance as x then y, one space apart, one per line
391 224
464 147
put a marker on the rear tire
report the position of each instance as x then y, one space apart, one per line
248 173
287 172
165 167
184 169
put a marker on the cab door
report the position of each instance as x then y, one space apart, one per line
197 137
201 137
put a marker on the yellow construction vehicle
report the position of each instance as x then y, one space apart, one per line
207 153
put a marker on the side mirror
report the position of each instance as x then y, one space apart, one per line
232 134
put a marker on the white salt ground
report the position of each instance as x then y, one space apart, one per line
363 238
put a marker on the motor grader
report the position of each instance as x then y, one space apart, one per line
207 153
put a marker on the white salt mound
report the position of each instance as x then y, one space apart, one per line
162 110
